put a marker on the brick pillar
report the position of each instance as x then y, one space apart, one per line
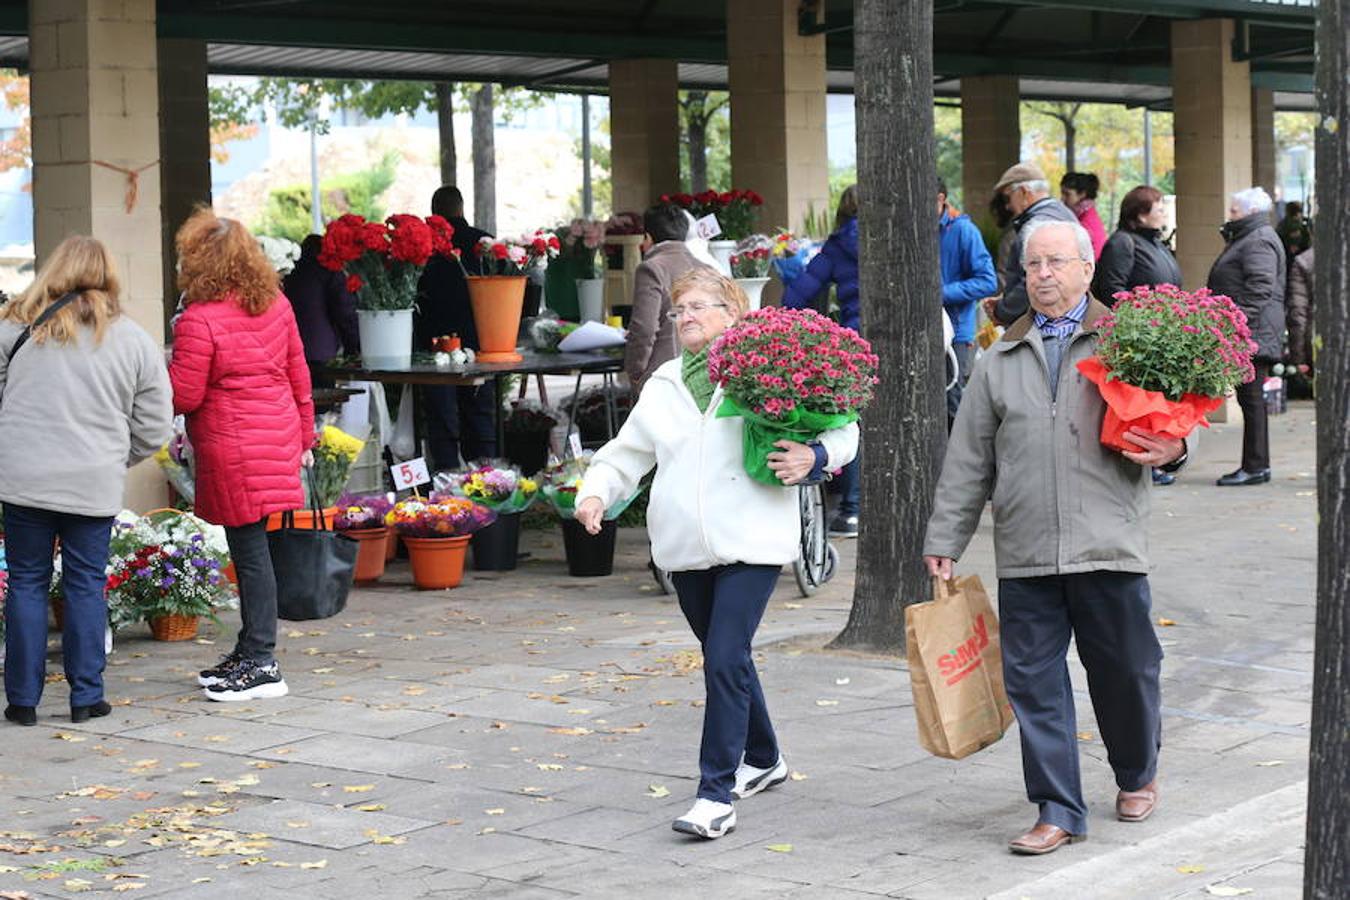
991 136
1212 102
1263 139
778 137
644 127
95 101
185 142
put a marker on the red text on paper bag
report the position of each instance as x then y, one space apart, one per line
409 474
957 663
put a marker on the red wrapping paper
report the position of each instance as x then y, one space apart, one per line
1127 406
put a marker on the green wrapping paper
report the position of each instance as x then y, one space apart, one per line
759 433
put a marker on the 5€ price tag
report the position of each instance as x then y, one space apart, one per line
707 227
409 474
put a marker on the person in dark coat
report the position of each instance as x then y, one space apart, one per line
1295 231
1135 254
837 262
459 418
325 311
1251 270
1299 313
1029 200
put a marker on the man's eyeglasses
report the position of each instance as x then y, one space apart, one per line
1056 263
692 309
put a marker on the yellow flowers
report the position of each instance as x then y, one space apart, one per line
340 443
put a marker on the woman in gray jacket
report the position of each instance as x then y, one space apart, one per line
84 394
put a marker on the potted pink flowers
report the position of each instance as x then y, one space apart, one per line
791 374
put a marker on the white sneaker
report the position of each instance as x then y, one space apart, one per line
750 780
707 819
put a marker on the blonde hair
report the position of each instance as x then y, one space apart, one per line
219 259
707 279
80 264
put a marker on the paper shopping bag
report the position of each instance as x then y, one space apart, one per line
956 670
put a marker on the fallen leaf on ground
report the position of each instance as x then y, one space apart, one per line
1271 762
792 606
550 767
124 886
74 739
357 788
377 838
1224 890
577 731
799 776
320 784
1166 623
371 807
297 824
827 703
842 681
1085 735
189 765
76 885
1190 870
495 812
319 864
658 791
779 848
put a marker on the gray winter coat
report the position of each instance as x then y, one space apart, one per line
1014 304
1063 502
1251 271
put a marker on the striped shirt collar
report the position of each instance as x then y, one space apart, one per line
1064 325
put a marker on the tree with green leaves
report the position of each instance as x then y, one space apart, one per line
704 113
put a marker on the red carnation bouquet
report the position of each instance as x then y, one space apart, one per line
384 260
515 256
1165 358
791 374
735 209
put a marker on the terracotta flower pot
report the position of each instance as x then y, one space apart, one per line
173 628
437 563
304 518
370 555
497 301
231 574
390 545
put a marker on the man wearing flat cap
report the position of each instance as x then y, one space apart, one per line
1027 194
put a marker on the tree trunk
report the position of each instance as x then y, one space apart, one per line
905 427
484 161
1328 853
1070 140
445 124
696 137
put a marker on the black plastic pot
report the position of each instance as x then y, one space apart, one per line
589 555
527 449
496 547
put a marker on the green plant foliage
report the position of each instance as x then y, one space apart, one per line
287 213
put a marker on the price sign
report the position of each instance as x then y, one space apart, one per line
707 227
409 474
574 443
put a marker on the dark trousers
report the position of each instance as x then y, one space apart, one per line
724 605
257 591
30 537
460 419
1255 430
964 353
1107 613
850 488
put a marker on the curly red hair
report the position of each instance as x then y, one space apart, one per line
219 259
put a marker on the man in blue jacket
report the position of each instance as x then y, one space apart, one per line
967 277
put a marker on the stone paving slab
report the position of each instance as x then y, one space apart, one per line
319 825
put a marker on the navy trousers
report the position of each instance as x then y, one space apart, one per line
460 420
1107 613
724 605
30 537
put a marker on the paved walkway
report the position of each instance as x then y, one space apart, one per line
530 735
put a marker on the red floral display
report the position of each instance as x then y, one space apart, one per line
383 260
735 209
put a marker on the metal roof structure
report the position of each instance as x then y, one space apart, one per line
1094 50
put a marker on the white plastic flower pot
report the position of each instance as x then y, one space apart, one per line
591 299
721 251
386 337
753 288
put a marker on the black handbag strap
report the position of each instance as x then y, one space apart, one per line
318 522
63 301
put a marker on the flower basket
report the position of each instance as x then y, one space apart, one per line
497 301
370 552
1127 405
173 627
589 555
437 563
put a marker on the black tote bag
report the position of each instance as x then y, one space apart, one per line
313 568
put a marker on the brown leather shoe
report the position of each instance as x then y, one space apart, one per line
1136 806
1042 839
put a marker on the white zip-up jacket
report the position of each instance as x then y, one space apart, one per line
704 510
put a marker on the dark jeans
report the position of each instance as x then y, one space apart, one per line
30 535
724 605
257 591
963 352
460 419
1255 429
850 488
1107 614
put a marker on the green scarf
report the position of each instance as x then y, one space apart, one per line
694 373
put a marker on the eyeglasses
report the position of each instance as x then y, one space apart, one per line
1056 263
692 309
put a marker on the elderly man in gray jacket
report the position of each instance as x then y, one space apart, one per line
1070 540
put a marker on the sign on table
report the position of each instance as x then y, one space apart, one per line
409 474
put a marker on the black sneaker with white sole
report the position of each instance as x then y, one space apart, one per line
844 526
221 670
750 780
250 681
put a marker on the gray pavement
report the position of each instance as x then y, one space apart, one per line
531 735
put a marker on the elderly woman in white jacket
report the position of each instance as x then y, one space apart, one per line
722 535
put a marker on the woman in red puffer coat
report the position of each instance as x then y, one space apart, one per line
239 375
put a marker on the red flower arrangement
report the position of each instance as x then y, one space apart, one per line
790 373
514 256
1165 358
383 260
735 209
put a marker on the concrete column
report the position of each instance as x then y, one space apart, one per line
644 128
185 144
95 115
991 136
1263 139
778 137
1212 101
